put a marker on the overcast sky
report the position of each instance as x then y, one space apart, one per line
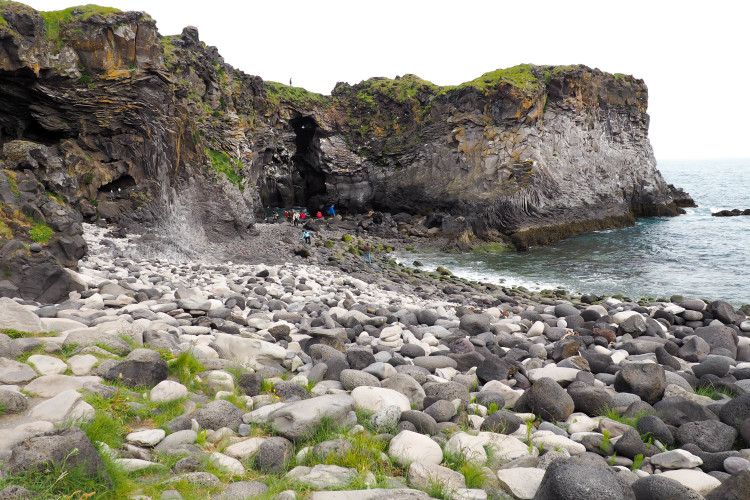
692 55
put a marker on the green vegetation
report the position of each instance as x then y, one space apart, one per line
59 481
55 21
494 248
222 163
41 233
297 96
520 76
184 367
17 334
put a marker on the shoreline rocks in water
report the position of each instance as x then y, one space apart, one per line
234 381
731 213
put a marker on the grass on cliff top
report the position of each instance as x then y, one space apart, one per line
55 19
520 76
278 92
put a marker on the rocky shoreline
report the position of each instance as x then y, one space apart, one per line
317 376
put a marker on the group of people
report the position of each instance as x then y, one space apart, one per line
294 216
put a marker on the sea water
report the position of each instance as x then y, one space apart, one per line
694 255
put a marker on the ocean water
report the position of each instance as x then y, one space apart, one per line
695 255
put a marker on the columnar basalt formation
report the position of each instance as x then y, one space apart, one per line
121 124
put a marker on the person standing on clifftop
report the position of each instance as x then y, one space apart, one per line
367 253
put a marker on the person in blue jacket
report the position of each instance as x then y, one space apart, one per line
331 211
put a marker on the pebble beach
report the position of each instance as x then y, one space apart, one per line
304 373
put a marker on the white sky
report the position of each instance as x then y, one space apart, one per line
692 55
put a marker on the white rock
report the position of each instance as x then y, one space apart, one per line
377 398
556 373
13 372
621 316
244 449
469 446
506 448
57 408
14 435
48 386
536 330
148 437
47 365
469 494
580 422
521 482
82 364
425 475
676 459
251 353
18 317
551 441
229 464
619 355
135 464
261 415
167 390
408 447
693 478
509 394
61 324
219 380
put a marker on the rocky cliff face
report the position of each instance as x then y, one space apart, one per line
103 118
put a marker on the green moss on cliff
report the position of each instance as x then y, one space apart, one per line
520 76
41 233
54 21
222 163
297 96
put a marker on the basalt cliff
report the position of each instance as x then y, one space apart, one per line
102 118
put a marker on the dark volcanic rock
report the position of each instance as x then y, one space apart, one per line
547 399
218 414
573 479
646 380
709 435
141 368
34 454
662 488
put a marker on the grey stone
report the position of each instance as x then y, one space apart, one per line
662 488
12 401
242 490
646 380
408 386
218 414
386 418
502 422
709 435
422 423
550 401
630 444
351 379
141 368
441 410
274 454
448 391
578 480
474 324
338 447
296 420
35 453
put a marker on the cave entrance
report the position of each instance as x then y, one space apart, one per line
308 177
